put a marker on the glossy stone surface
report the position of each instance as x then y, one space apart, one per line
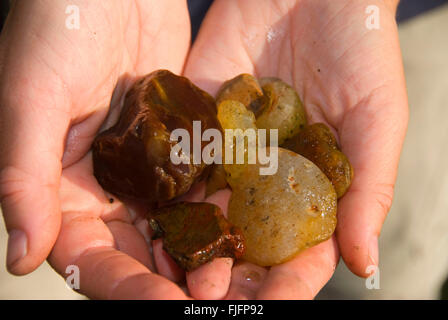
282 214
196 233
234 115
318 144
132 159
245 89
283 109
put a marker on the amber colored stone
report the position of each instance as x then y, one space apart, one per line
233 114
283 214
196 233
245 89
318 144
216 180
132 159
284 110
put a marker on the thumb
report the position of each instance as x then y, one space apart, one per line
373 136
32 130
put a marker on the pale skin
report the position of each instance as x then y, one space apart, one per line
56 84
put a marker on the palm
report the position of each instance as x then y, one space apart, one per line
348 77
116 47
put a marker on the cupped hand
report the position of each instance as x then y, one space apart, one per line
55 92
56 83
349 77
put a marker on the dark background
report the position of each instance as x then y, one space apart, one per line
3 11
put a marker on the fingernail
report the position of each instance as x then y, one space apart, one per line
17 247
373 251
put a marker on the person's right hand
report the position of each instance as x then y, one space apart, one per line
55 91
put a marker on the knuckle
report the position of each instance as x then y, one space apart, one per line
16 184
13 183
384 198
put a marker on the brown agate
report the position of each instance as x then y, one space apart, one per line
195 233
318 144
132 159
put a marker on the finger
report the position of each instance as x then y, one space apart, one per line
144 229
247 279
142 226
129 241
149 287
304 276
105 273
372 135
166 266
31 141
212 280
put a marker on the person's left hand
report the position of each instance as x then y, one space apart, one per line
350 78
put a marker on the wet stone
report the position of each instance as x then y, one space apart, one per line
132 158
196 233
